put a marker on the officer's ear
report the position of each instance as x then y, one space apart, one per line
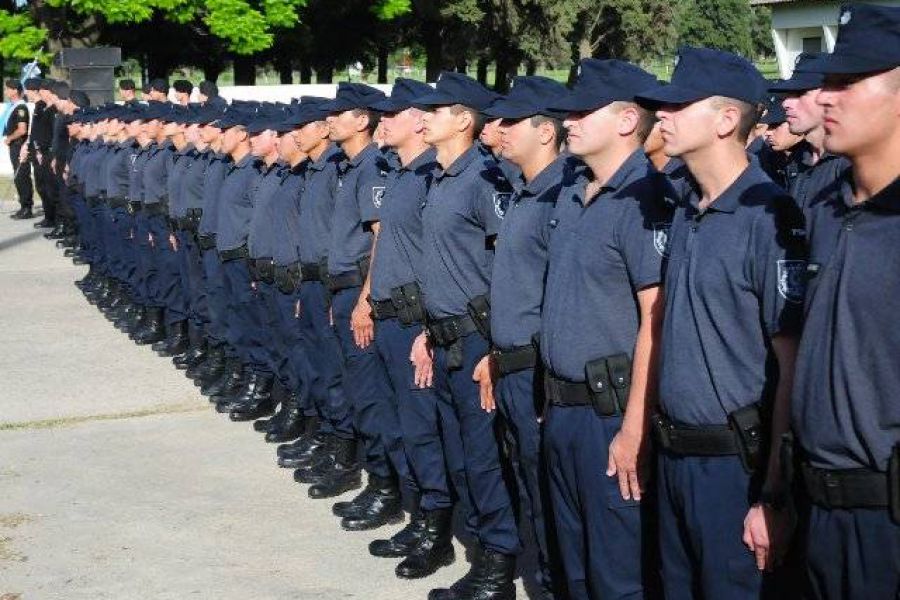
628 118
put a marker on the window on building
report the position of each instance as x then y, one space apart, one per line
812 44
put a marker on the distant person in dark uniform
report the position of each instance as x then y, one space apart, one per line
183 89
158 90
209 95
39 151
15 134
128 91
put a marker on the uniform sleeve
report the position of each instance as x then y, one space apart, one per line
777 267
642 238
370 192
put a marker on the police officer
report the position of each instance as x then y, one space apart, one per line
791 155
127 91
805 117
157 90
732 289
208 95
183 89
531 134
15 135
460 220
59 151
844 408
38 149
600 388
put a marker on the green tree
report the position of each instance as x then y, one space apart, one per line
721 24
761 32
21 38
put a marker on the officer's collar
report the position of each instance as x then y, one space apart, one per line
328 156
299 168
729 200
462 161
247 160
551 175
428 156
362 155
887 199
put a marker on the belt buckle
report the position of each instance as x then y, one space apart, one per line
832 489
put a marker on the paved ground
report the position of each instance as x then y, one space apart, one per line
117 481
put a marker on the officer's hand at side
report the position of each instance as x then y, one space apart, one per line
362 325
422 359
485 376
23 153
53 165
173 242
765 530
627 461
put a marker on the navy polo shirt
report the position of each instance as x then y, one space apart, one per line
236 203
218 164
820 179
76 164
510 170
734 280
520 258
193 178
179 164
845 409
156 174
118 166
261 233
398 260
462 212
136 174
317 205
357 199
94 174
283 213
600 256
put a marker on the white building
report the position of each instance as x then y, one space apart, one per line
804 26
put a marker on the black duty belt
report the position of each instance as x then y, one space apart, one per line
94 201
287 277
344 281
382 309
234 253
562 393
134 206
156 209
449 330
117 202
206 242
683 440
184 224
263 269
846 488
312 271
513 360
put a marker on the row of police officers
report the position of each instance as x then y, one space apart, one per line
606 315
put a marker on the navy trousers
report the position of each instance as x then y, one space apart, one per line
601 535
243 316
703 501
193 279
170 292
366 383
853 554
492 512
324 352
216 298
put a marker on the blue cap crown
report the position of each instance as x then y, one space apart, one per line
456 88
868 40
529 96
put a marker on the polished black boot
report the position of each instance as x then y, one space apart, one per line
134 321
382 507
403 542
257 387
211 364
291 424
231 377
490 578
433 546
44 224
154 330
57 233
343 477
303 452
175 343
259 403
195 351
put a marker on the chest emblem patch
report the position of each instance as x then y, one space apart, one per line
792 280
661 238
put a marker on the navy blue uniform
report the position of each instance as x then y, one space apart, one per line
603 250
845 412
462 214
734 281
206 236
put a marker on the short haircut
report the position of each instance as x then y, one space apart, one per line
126 84
62 90
13 84
750 114
208 88
559 131
478 118
183 86
374 118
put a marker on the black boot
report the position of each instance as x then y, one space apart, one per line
154 330
259 403
134 321
403 542
257 389
490 578
231 377
213 363
343 477
382 507
195 353
56 233
291 423
175 343
304 452
434 548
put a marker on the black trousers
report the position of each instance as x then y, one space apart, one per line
46 184
21 175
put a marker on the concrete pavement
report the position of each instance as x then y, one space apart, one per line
117 480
